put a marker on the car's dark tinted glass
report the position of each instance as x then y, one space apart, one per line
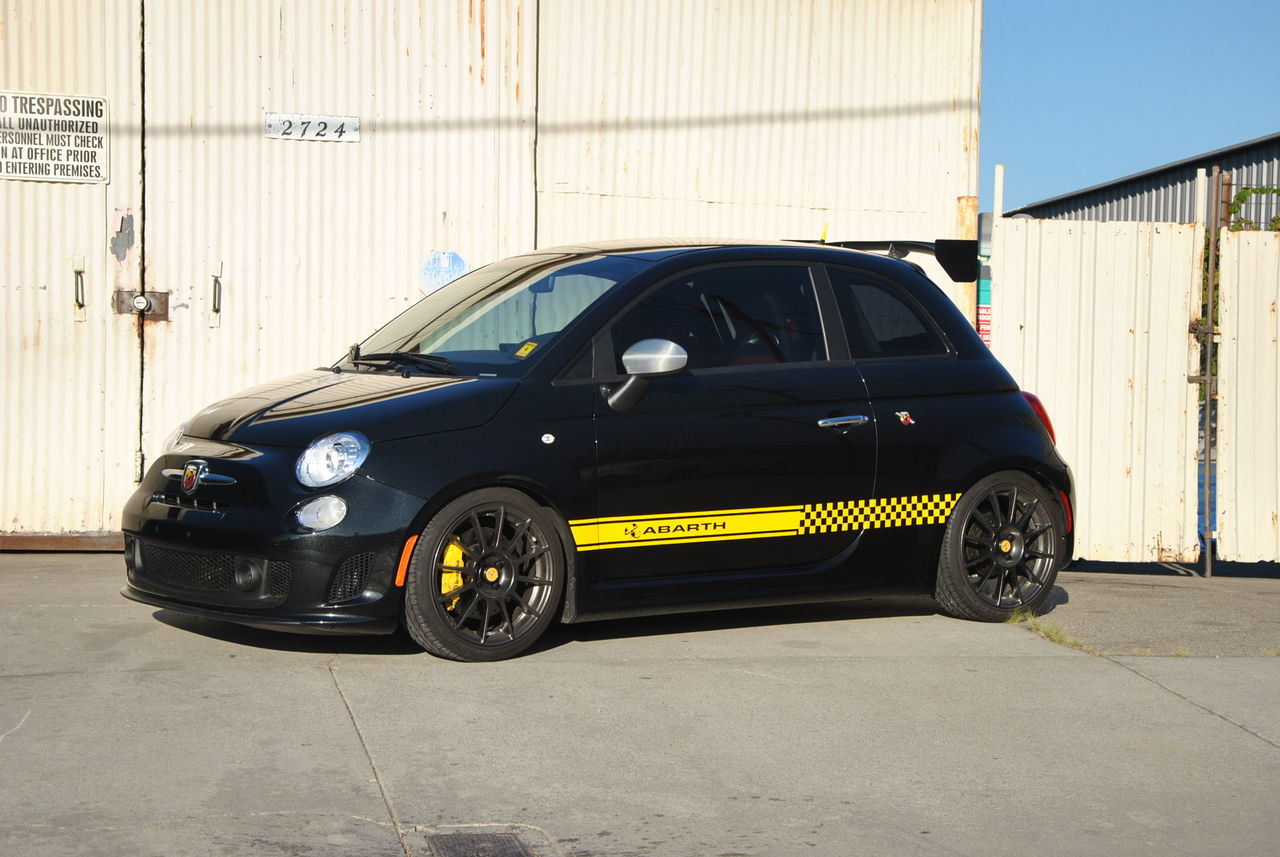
732 316
881 320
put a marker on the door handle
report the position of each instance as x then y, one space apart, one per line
848 422
77 273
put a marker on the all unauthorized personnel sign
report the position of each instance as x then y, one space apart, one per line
54 138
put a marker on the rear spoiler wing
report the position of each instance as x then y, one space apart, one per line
957 256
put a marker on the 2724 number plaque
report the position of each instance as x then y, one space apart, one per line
309 127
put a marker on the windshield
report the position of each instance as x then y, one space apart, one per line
489 322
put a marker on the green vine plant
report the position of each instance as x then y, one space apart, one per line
1236 223
1243 224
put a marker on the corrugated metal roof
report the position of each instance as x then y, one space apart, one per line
1168 193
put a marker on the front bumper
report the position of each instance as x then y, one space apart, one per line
235 552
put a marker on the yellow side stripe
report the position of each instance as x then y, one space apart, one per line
629 531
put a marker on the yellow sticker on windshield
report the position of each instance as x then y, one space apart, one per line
526 349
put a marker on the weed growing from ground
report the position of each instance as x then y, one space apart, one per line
1047 628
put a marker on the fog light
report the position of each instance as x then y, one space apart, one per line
132 555
322 513
248 575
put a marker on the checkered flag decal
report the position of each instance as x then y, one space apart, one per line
877 513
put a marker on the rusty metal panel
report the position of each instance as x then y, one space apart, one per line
69 394
758 119
1093 318
1249 397
487 127
307 244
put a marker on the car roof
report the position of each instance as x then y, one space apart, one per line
659 249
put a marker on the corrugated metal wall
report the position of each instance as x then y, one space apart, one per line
1093 318
319 242
69 398
488 127
1249 397
758 119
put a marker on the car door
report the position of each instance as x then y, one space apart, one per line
931 403
926 396
738 464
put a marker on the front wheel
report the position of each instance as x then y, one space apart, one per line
1001 550
485 578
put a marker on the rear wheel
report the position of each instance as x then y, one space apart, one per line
485 578
1001 550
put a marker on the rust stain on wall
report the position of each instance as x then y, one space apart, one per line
483 23
519 46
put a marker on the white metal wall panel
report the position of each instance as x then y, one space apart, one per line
1093 318
319 242
659 117
1249 398
759 119
69 398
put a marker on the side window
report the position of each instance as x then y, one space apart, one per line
737 316
881 320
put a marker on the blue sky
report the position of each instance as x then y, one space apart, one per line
1079 92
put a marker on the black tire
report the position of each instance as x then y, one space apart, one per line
1002 548
486 577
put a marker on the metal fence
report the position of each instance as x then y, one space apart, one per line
1093 318
1249 397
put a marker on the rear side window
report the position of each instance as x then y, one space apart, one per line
731 316
881 320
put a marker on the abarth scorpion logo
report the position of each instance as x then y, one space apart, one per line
193 475
904 417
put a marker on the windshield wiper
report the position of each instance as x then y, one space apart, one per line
403 359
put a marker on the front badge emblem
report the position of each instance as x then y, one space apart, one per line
192 475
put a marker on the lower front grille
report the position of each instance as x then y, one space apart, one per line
203 572
351 578
211 572
279 579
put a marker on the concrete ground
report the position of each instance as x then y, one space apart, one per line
1148 615
863 729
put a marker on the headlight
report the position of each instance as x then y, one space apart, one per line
175 437
332 459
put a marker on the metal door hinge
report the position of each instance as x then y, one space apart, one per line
153 305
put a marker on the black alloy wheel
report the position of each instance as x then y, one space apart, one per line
485 578
1001 550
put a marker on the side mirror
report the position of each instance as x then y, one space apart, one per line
654 358
647 359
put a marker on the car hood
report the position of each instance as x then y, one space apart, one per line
294 411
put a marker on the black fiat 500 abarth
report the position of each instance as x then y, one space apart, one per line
614 430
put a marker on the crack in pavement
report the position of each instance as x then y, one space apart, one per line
16 728
1200 705
377 775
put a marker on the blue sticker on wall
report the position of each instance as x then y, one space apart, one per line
440 268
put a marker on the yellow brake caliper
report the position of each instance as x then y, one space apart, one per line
450 580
